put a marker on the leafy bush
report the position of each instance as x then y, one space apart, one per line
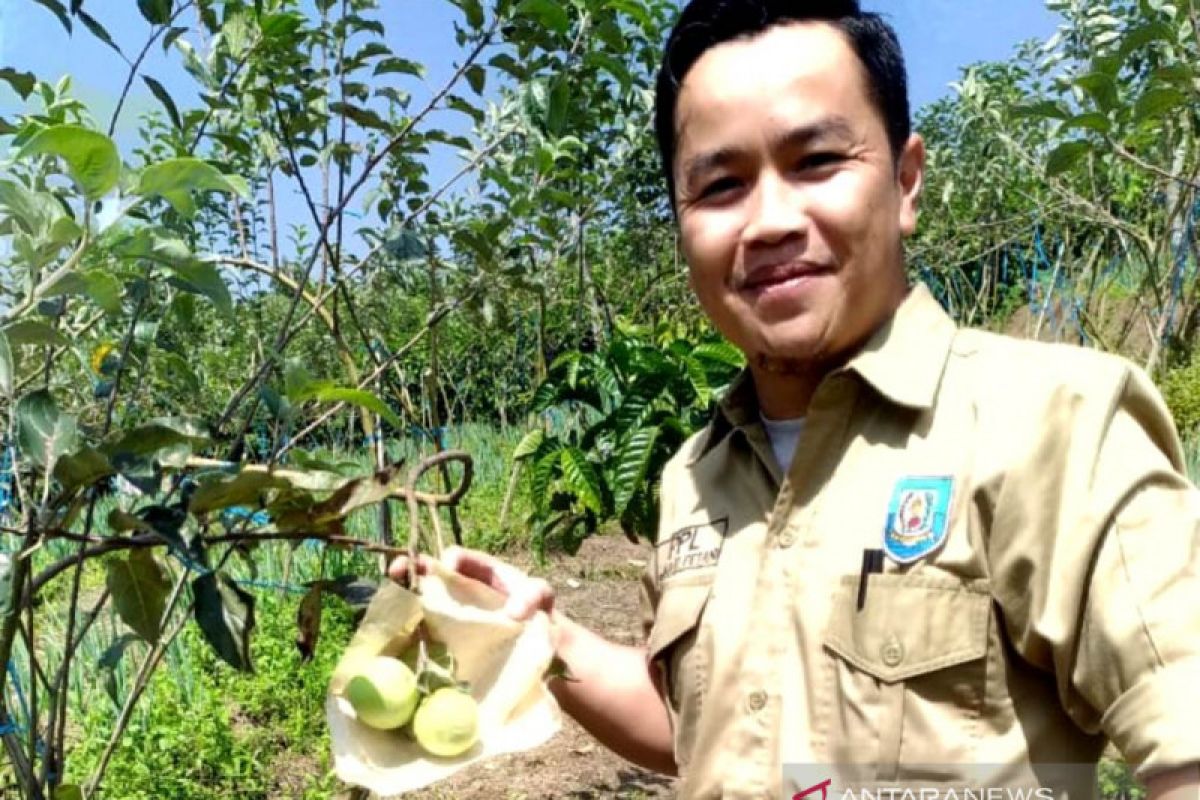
209 733
621 414
1181 389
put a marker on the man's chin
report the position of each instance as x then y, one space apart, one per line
785 365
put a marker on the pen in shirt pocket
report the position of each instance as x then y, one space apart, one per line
872 563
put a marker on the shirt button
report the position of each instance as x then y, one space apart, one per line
892 652
756 701
787 538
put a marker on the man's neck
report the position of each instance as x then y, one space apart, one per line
785 392
785 387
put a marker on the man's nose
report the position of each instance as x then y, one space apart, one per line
777 212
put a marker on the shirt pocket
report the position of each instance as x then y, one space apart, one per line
674 645
906 674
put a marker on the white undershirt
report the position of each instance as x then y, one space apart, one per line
784 434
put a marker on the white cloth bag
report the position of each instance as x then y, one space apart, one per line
504 662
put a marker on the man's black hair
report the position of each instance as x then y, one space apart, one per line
707 23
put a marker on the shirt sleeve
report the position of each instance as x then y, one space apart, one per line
1095 553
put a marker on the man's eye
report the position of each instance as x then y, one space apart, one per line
818 160
719 186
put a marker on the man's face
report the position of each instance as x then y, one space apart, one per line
791 207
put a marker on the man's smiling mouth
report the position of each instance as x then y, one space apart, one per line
765 279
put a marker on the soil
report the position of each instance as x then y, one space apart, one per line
599 588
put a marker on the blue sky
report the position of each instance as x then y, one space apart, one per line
939 37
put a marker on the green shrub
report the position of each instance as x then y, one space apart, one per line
1181 389
205 732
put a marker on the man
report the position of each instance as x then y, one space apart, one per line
981 551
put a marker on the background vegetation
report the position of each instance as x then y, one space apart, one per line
197 397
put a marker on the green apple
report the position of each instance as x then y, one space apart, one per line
383 693
447 722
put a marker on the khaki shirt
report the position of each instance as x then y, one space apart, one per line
1061 610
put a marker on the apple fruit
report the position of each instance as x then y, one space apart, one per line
447 722
383 693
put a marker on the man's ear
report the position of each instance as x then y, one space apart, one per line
910 177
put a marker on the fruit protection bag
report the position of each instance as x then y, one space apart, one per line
502 660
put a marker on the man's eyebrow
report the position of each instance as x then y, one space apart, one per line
834 127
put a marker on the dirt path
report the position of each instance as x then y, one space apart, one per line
599 588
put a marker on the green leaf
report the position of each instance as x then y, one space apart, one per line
1141 36
156 12
21 82
34 332
176 370
120 521
139 587
171 36
721 353
225 614
529 444
33 211
1101 87
581 478
43 432
91 157
400 65
98 30
476 77
1065 156
632 462
542 474
110 659
7 369
1157 101
102 288
1093 121
613 65
281 25
203 278
67 791
157 435
177 178
560 103
365 117
359 493
473 10
633 8
57 9
82 468
244 489
548 13
164 97
326 392
1043 109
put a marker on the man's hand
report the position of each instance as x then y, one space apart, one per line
524 595
1182 783
612 691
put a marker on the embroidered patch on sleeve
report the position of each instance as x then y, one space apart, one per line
917 517
691 548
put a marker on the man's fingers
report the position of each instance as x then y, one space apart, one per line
501 576
398 569
532 595
523 595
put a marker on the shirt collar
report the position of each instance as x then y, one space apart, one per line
903 361
905 358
